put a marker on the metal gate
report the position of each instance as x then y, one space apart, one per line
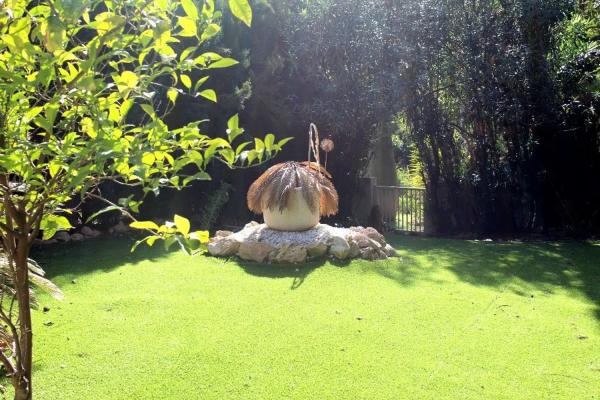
402 208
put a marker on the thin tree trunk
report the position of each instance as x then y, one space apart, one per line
23 372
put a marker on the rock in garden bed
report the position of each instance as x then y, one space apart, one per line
257 242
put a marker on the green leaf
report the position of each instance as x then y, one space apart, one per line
242 10
202 236
169 228
182 224
207 57
126 82
54 167
52 223
71 9
259 145
195 157
161 4
104 210
44 124
31 114
200 176
228 155
172 94
211 56
148 158
149 110
190 9
210 31
269 141
55 34
199 82
187 82
234 122
87 126
134 205
148 239
284 141
129 78
209 94
241 147
144 225
188 25
251 156
223 63
125 107
51 111
185 53
60 221
233 128
152 239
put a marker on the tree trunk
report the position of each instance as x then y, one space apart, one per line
22 379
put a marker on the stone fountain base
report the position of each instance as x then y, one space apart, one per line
257 242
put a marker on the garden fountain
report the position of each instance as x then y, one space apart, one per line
292 196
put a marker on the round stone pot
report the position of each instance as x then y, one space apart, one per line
297 216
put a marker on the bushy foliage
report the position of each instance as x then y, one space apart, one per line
573 150
490 95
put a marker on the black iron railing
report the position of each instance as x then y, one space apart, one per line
402 208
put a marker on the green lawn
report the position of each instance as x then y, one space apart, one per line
448 320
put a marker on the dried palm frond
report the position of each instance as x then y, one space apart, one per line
36 276
273 188
316 168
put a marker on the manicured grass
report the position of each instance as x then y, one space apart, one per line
448 320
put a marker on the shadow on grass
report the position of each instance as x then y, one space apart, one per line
298 272
519 267
104 254
101 254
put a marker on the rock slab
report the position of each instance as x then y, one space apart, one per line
257 242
